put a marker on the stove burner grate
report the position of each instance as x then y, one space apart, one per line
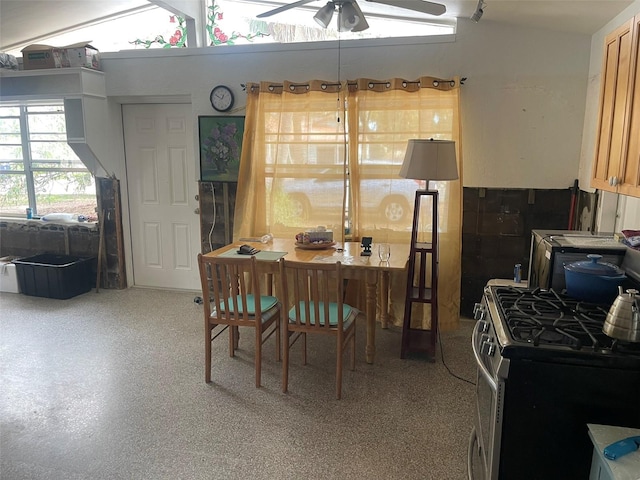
548 318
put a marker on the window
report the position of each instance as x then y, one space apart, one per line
235 22
38 169
312 163
304 164
304 168
297 24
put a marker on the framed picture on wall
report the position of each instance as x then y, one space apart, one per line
220 147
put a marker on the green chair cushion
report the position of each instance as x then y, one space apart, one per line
266 303
348 313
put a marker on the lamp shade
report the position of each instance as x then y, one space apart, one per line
430 160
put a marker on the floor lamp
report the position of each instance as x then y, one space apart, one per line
425 160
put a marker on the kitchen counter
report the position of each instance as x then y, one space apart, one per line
631 264
626 467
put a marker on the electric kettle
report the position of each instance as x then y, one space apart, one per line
623 319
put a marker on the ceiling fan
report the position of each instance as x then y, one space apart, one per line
351 18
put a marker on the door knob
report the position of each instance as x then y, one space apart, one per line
197 211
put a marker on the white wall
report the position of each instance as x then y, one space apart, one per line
616 212
522 108
522 104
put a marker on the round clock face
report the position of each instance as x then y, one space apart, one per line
221 98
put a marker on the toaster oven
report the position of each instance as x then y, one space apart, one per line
552 249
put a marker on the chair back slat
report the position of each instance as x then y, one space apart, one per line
230 281
316 291
231 299
312 295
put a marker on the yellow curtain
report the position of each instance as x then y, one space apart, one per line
326 153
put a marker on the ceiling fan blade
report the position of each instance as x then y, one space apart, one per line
284 8
416 5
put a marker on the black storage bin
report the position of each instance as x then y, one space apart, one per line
54 276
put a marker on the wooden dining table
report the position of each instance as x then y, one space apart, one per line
371 269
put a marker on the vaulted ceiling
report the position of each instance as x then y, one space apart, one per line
23 22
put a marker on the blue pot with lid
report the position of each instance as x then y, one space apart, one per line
592 280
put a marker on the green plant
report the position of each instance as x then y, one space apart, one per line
13 190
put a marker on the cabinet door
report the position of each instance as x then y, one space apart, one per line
630 175
613 99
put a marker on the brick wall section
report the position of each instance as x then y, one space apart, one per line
225 202
496 233
113 267
33 238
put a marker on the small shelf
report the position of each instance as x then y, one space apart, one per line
52 83
424 247
422 295
422 289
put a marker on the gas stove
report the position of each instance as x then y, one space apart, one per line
548 318
536 323
545 370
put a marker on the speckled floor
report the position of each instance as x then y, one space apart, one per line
110 385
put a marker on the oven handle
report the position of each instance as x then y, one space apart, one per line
481 366
473 439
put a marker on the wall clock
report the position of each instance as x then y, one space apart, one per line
221 98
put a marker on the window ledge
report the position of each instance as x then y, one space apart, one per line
36 222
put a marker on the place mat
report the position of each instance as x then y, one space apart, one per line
261 255
345 260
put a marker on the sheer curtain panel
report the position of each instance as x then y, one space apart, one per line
329 153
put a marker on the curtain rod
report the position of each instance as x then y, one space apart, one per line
436 83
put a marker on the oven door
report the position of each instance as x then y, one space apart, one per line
484 455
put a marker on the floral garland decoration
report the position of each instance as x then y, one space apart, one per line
178 39
216 35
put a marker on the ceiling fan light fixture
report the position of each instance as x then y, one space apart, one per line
324 15
348 17
477 15
362 25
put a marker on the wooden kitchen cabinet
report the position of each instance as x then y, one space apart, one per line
630 173
617 163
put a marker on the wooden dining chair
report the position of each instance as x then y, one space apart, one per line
313 292
232 299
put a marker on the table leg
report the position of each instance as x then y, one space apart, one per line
371 287
384 299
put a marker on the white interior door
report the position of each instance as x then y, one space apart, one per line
165 228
